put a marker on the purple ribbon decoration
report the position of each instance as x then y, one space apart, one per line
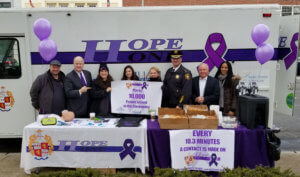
214 57
289 60
144 85
128 146
213 160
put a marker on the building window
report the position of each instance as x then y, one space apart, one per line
114 4
63 5
51 5
10 67
92 4
296 10
79 4
286 10
5 5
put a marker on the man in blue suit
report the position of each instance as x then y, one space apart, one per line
77 83
205 88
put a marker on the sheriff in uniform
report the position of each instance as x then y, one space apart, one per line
177 85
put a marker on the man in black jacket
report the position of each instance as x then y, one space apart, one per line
177 85
206 89
77 84
47 92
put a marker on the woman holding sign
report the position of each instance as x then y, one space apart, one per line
228 83
129 74
100 93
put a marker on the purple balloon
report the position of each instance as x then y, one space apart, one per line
48 49
260 34
42 28
264 53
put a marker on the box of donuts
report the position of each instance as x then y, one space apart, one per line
202 107
203 119
172 118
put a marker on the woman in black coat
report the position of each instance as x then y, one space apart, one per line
101 90
228 95
154 74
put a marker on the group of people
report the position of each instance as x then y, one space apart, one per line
53 91
180 88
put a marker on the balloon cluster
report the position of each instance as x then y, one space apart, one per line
47 47
264 52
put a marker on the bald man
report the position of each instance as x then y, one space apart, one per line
205 88
77 84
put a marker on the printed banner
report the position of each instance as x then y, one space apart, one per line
205 150
135 97
83 144
260 77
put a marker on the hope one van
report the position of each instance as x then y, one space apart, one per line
142 37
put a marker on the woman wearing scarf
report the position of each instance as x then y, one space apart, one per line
228 94
101 90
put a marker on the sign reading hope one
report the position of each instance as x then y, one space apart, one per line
136 44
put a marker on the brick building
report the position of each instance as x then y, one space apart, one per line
289 7
205 2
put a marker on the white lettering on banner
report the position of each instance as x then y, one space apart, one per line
135 97
206 150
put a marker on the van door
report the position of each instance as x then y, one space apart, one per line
287 65
15 81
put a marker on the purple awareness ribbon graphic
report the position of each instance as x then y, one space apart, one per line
128 146
289 60
144 85
214 57
213 160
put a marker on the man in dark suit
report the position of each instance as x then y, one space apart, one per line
77 83
177 85
206 89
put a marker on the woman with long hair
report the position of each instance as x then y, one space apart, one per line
100 93
228 94
129 74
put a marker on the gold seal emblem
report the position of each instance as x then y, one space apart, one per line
177 76
187 76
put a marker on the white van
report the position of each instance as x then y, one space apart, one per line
142 37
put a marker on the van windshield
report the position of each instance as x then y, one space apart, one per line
9 59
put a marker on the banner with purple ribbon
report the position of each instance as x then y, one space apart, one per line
292 56
83 144
206 150
135 97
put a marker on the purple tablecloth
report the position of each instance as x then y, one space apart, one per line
250 147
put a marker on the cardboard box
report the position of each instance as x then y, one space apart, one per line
211 121
195 107
172 123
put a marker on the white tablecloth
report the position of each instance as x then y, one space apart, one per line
84 144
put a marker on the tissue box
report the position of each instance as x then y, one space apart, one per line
177 118
210 122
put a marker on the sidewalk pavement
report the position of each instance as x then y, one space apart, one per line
10 163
